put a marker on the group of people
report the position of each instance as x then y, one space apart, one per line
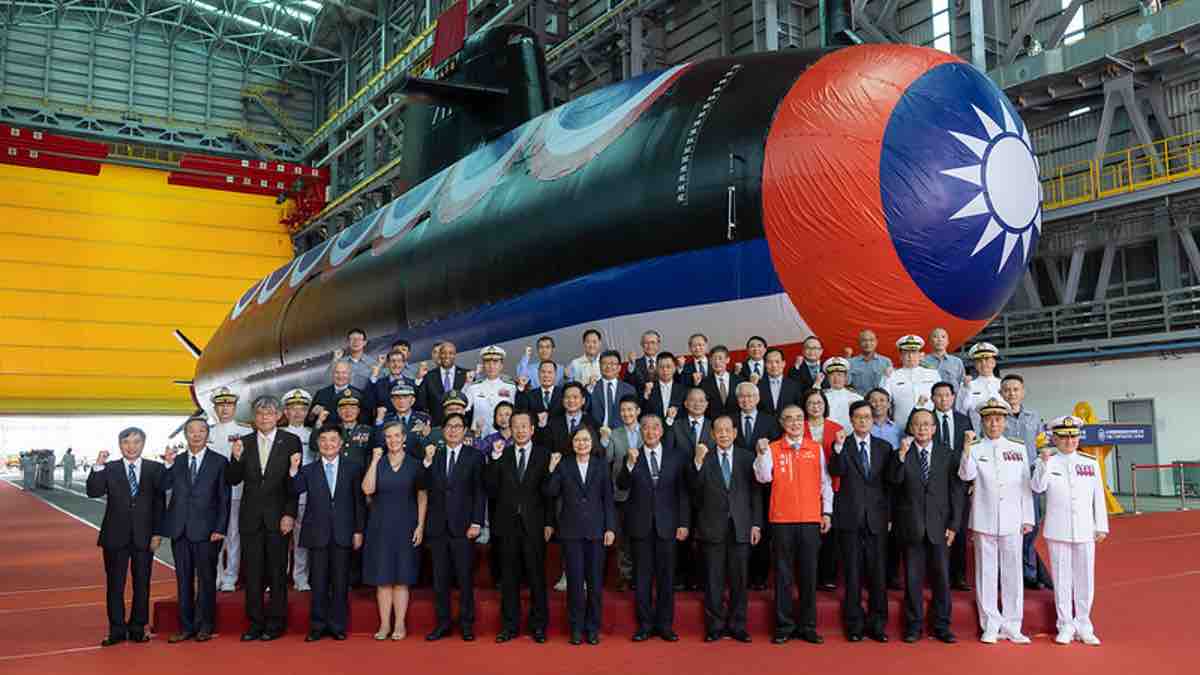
701 472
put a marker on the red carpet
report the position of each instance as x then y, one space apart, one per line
52 617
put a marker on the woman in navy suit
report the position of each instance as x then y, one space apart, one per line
395 483
586 522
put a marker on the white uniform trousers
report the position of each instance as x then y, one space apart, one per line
299 553
999 556
229 564
1073 568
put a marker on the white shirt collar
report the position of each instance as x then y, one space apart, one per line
696 420
333 461
862 439
657 448
527 447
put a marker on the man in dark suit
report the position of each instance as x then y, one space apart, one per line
523 524
728 522
444 378
260 464
752 426
686 433
929 500
604 405
658 513
663 396
860 520
326 399
720 386
776 392
642 369
196 521
950 429
136 491
453 519
807 371
586 524
543 396
692 373
334 520
555 434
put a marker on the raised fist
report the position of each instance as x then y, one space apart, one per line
376 454
648 389
737 368
633 455
968 437
477 425
555 458
522 382
966 381
754 378
905 444
702 452
382 360
543 417
469 378
696 377
528 350
605 432
672 412
317 410
423 370
839 438
818 380
1046 452
592 381
169 456
497 448
847 352
632 357
799 362
296 461
889 371
680 361
430 450
762 446
922 400
236 449
322 416
102 457
338 353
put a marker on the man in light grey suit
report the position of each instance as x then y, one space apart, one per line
617 444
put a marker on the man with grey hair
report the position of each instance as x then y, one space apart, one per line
135 491
326 398
260 464
220 438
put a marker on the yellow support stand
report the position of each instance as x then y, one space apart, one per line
1083 410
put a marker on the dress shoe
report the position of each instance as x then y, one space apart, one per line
854 637
712 637
946 636
1064 637
313 636
680 586
668 635
961 585
271 635
468 634
989 637
593 639
641 636
1017 637
180 637
339 635
251 635
204 636
1089 639
139 637
827 586
576 638
780 639
877 635
912 636
758 587
810 636
539 636
112 640
740 636
505 636
438 633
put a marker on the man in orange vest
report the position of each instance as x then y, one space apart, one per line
800 512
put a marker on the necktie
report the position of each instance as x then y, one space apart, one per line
404 422
192 468
747 428
703 369
865 458
756 371
545 399
726 470
654 466
133 482
945 429
649 366
521 464
446 381
723 389
574 425
696 430
609 399
925 464
329 479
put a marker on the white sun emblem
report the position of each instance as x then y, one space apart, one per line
1007 175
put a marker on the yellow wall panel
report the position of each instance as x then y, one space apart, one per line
95 273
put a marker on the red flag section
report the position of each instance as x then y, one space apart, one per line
450 34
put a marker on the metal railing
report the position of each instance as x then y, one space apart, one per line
1134 168
1160 312
1184 479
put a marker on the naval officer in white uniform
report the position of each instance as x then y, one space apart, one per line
839 394
484 394
1076 520
1001 513
984 385
220 438
296 403
910 385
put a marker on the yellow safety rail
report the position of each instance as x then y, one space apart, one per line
1134 168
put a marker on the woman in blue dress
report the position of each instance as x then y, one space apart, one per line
395 483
